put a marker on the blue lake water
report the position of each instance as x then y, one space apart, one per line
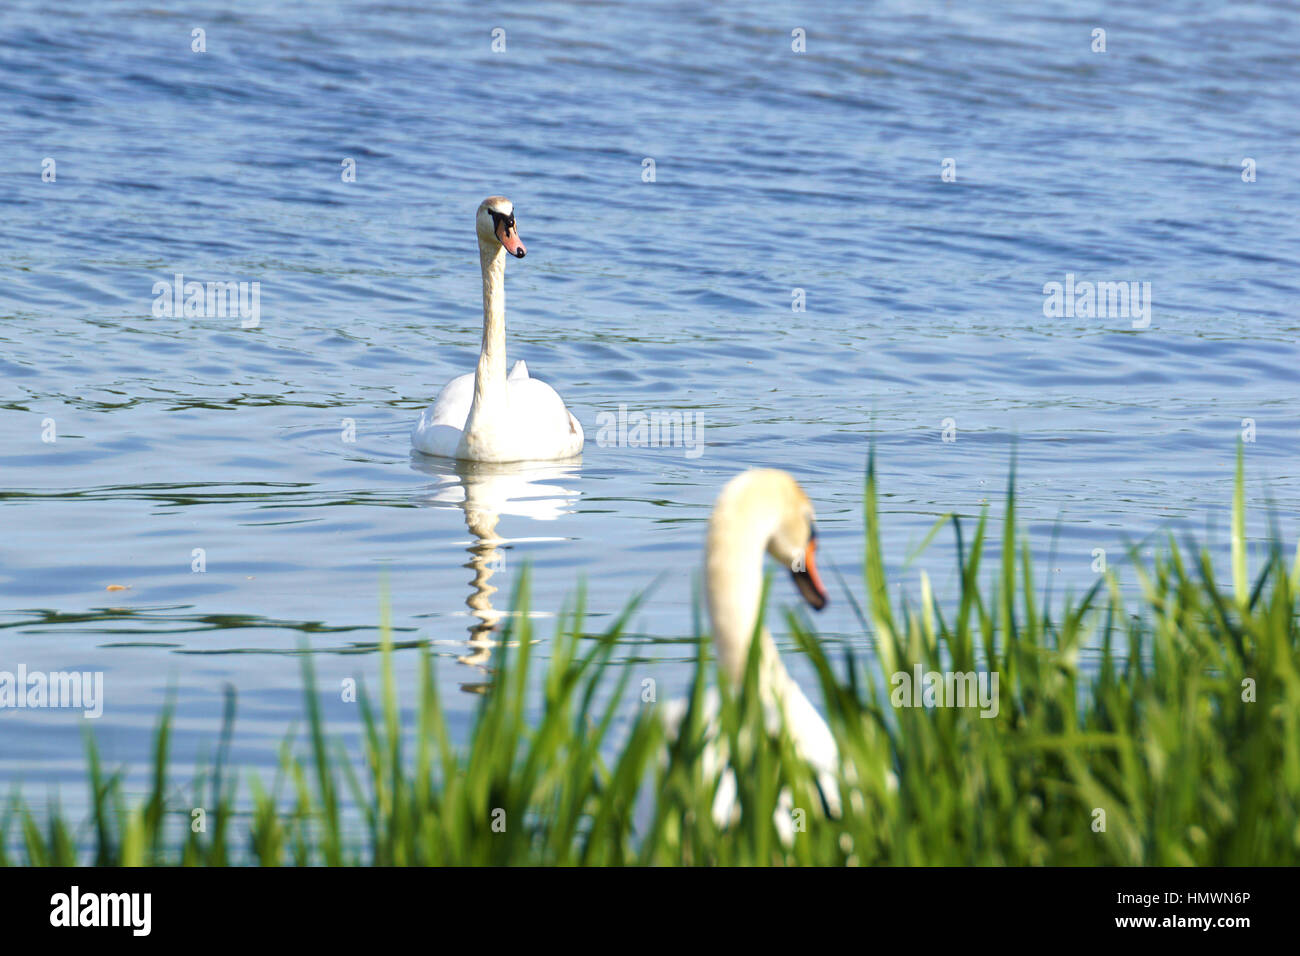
281 452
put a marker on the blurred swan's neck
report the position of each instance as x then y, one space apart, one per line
737 542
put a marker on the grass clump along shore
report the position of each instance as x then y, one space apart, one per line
1177 744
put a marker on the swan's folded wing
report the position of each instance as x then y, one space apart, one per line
438 429
430 439
519 371
542 421
451 407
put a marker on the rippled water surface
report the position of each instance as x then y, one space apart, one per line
774 171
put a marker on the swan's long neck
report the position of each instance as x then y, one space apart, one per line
490 377
733 571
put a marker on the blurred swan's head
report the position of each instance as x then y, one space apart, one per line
771 504
496 226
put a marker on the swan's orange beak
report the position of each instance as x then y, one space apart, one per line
806 578
509 237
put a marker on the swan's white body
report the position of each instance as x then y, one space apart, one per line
486 415
761 512
536 424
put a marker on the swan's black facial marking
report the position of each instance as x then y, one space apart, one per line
503 225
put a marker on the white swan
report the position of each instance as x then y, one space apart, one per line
486 415
759 512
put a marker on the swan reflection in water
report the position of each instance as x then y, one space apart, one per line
486 492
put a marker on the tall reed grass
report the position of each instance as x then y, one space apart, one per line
1178 744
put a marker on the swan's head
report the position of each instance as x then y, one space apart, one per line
496 225
772 503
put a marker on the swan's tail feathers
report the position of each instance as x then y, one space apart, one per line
519 371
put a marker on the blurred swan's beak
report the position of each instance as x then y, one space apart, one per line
806 578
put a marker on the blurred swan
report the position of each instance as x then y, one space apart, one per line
762 511
486 415
486 492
